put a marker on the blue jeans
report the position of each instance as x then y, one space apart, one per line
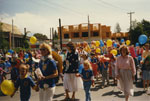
87 86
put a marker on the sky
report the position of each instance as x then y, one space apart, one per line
38 16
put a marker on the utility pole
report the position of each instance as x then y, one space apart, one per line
89 34
13 45
60 31
53 37
131 19
50 35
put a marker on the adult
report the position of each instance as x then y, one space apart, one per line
146 66
146 52
125 72
71 82
49 72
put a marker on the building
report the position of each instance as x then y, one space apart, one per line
12 34
84 32
119 36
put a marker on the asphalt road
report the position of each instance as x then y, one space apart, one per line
109 93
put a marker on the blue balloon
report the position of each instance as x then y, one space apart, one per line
122 40
139 58
10 51
101 43
115 45
142 39
26 56
137 44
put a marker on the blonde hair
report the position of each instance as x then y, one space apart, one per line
48 47
86 62
24 66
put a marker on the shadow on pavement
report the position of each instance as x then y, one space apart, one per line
58 95
113 93
68 100
138 93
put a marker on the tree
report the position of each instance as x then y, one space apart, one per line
40 36
4 43
117 28
142 27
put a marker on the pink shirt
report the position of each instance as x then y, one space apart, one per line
125 63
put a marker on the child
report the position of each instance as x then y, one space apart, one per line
104 67
113 66
25 83
88 79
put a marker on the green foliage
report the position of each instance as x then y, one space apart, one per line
55 36
4 44
142 27
26 44
40 36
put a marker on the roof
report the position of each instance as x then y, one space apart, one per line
8 28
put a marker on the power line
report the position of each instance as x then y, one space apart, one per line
56 5
111 5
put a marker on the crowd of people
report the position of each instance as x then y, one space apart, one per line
83 65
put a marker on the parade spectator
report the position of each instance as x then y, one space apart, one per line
49 72
71 82
125 72
25 83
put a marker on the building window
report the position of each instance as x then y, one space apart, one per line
84 34
76 35
107 34
66 36
95 34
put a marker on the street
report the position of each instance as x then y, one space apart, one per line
109 93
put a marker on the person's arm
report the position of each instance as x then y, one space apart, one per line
55 74
54 69
16 87
13 92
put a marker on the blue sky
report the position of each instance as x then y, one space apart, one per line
40 15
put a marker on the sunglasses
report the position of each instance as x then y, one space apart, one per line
42 49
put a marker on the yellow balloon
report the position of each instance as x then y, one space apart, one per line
97 43
8 53
98 50
109 43
33 40
7 87
114 52
128 42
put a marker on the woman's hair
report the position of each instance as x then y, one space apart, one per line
124 47
24 66
86 62
71 46
48 47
